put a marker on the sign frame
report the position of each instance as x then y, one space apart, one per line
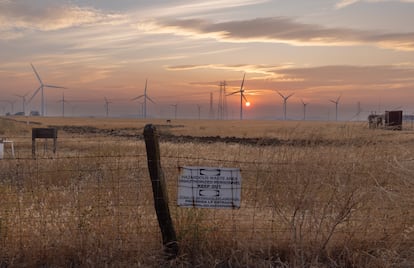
209 187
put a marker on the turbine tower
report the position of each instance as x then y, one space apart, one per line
63 104
304 109
107 106
359 110
336 102
41 89
145 99
199 111
285 98
242 96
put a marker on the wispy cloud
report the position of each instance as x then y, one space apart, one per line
282 30
322 77
258 69
17 17
345 3
196 8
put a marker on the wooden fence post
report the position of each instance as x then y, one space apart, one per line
159 190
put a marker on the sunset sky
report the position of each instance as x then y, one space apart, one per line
359 50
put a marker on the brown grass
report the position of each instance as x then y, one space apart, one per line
344 199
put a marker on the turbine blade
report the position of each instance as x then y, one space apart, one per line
244 97
150 100
140 96
280 94
290 96
37 75
241 87
34 94
235 92
52 86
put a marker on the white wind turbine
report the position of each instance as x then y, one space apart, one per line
199 111
11 105
23 101
285 98
304 109
336 102
107 102
41 89
145 99
242 96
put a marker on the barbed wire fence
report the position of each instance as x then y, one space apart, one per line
91 203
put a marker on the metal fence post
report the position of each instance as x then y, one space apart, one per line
159 190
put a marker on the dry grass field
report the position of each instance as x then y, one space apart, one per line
314 194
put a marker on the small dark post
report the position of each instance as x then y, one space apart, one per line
159 190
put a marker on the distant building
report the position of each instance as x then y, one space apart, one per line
34 113
390 120
393 120
375 121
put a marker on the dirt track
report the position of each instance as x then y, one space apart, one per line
166 136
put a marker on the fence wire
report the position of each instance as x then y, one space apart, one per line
92 201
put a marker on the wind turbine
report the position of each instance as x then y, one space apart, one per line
359 110
145 99
241 91
23 101
175 110
11 105
336 102
285 98
63 104
304 109
199 111
107 106
41 87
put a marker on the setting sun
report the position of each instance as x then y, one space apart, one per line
247 104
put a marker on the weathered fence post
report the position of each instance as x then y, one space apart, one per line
159 190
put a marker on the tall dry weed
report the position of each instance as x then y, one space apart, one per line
342 198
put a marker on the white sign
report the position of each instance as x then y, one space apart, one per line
207 187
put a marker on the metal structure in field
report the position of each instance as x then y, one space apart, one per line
390 120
